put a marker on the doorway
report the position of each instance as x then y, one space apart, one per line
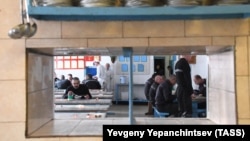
159 65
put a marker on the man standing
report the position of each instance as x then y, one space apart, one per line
100 73
184 86
108 78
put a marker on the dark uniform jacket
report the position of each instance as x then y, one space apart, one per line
164 94
82 90
183 75
152 92
202 88
92 84
148 84
63 84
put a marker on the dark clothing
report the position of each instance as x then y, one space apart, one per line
152 92
56 79
82 90
202 88
92 84
184 86
164 100
63 84
171 72
160 71
148 84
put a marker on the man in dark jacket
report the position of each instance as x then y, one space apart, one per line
201 82
77 89
91 83
201 91
152 91
184 85
164 99
62 83
148 84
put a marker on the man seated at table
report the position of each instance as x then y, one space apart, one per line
164 99
201 82
62 83
91 83
77 89
200 91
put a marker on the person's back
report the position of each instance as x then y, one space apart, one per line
164 100
184 86
152 91
147 86
93 84
63 83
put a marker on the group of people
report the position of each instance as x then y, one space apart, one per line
159 90
73 85
104 75
63 83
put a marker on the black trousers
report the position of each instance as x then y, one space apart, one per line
184 101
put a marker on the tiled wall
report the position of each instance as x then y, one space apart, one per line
114 34
221 88
40 88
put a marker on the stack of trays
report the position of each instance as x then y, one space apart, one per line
184 2
232 2
97 3
60 3
144 3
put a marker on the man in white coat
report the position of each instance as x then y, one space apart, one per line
108 78
100 73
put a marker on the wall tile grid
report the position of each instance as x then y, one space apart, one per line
40 88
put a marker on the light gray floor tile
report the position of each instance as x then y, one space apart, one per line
57 128
76 124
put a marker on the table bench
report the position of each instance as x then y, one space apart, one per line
100 96
61 92
81 108
83 101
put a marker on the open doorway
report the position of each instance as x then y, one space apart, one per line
159 65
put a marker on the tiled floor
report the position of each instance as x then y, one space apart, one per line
79 124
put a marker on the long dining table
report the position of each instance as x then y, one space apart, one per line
81 108
99 96
83 101
92 92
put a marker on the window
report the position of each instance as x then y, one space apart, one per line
73 62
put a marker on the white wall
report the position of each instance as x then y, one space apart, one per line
80 73
200 67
